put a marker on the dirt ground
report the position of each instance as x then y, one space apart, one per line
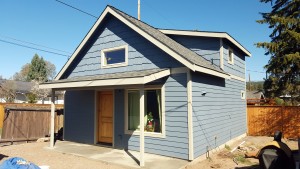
232 157
221 159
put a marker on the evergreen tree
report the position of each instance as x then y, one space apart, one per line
37 70
284 48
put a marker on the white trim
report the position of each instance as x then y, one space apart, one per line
103 51
142 136
166 49
52 116
190 116
207 34
230 55
109 82
237 78
163 123
221 54
208 71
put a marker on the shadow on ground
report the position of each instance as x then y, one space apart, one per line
256 166
2 156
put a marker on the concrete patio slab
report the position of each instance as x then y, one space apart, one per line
126 159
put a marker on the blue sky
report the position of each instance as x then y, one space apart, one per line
51 24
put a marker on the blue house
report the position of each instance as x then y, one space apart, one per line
175 93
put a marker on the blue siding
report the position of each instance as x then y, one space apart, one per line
79 116
221 113
239 66
119 116
204 46
175 144
142 54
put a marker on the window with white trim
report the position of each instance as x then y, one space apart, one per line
243 94
114 57
230 56
154 111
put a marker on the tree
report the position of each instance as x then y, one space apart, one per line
22 75
37 69
284 48
8 91
37 93
51 70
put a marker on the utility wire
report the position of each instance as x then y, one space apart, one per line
76 8
47 51
7 37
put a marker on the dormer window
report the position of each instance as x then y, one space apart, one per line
114 57
230 56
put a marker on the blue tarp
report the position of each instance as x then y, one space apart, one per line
17 163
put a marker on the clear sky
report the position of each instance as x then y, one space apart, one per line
54 25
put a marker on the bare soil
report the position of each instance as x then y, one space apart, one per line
221 159
39 155
226 159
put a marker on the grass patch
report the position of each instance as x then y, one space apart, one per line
227 147
239 158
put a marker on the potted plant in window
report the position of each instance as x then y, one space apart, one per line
150 122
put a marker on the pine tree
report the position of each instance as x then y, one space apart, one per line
284 48
37 70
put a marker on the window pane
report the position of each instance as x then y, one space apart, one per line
133 110
116 56
153 113
153 110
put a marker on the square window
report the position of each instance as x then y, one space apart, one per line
153 111
114 57
230 56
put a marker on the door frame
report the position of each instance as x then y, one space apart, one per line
96 121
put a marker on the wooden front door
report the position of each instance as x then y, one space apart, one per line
105 116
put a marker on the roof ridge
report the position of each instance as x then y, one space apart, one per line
196 58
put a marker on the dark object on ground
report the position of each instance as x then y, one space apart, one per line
17 163
276 155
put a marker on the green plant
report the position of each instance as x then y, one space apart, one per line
227 147
31 98
279 101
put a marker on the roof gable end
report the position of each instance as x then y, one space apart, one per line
182 54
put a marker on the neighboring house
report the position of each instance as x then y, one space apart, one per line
188 86
24 88
21 88
255 97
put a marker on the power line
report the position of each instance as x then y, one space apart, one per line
47 51
7 37
76 8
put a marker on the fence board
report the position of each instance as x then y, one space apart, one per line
23 122
265 120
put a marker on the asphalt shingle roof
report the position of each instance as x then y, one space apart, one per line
172 44
131 74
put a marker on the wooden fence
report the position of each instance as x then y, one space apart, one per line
26 122
265 120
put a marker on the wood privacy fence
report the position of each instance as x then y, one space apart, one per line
27 122
265 120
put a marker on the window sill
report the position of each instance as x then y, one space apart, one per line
149 134
113 65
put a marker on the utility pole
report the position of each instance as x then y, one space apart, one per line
249 83
139 10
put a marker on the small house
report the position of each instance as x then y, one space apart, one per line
175 93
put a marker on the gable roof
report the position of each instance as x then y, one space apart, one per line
184 55
223 35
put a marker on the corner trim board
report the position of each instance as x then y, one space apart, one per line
190 116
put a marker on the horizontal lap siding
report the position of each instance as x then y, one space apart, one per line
220 115
142 54
175 144
206 47
79 116
238 68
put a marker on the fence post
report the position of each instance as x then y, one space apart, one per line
52 118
